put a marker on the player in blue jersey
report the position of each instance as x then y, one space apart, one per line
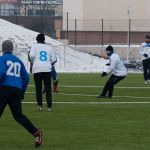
13 83
145 52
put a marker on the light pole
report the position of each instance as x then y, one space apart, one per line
128 12
128 34
16 16
41 16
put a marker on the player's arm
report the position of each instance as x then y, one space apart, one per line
113 61
25 79
31 63
32 54
143 50
2 70
53 58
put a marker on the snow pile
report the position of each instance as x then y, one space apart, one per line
69 60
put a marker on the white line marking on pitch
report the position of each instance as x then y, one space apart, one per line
121 87
88 95
92 102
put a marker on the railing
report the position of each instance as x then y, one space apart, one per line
103 31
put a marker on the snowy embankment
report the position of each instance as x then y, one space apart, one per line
69 60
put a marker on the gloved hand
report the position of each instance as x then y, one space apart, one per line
103 74
108 64
145 55
22 96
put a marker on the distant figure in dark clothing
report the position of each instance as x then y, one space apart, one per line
145 52
118 70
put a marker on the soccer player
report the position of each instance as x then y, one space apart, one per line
55 80
13 83
118 70
42 57
53 76
145 52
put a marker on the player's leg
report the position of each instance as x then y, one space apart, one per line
38 88
43 89
47 85
105 89
114 80
15 105
148 70
144 62
3 99
108 86
55 80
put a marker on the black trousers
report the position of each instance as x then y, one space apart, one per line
44 77
146 69
109 86
12 97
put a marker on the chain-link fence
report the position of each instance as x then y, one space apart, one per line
104 31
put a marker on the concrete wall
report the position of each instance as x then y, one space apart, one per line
115 15
116 9
107 9
125 52
74 9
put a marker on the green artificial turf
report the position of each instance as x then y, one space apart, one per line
80 121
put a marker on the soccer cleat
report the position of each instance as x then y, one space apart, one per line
49 109
100 96
146 82
55 89
39 108
38 138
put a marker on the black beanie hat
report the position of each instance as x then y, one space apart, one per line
147 37
7 46
109 48
40 38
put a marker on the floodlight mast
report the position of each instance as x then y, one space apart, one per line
128 34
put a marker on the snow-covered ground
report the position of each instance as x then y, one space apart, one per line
69 60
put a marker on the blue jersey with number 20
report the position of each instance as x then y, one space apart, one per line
13 72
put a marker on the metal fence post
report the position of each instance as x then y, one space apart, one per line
75 32
128 38
102 32
67 25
